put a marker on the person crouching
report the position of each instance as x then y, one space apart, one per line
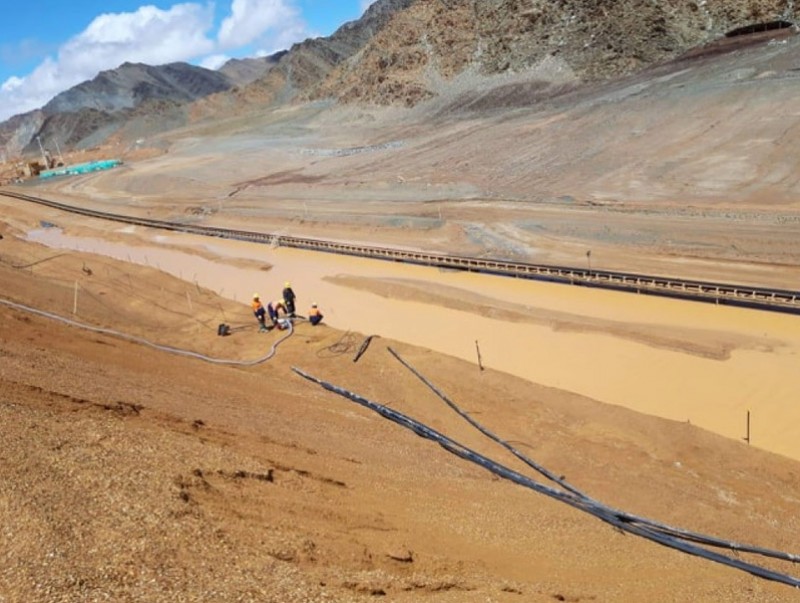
274 309
314 315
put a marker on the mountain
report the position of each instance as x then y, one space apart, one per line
118 100
133 83
19 131
426 46
306 65
310 62
90 113
403 52
134 99
243 71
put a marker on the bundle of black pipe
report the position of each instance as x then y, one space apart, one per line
686 541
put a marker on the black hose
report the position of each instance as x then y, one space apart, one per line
605 514
343 345
537 467
624 516
363 347
37 262
142 341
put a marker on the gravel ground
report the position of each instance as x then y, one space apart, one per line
129 475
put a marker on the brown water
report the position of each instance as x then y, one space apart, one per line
716 394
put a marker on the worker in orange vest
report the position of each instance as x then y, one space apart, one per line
259 312
314 315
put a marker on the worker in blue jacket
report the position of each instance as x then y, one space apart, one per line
288 299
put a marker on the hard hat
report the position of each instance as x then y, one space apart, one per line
314 305
255 296
287 284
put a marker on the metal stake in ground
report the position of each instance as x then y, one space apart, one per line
478 349
747 437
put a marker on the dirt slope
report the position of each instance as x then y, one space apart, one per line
129 474
132 474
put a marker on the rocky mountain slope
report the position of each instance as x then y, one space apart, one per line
401 52
136 100
91 112
19 131
582 40
305 66
243 71
131 84
126 99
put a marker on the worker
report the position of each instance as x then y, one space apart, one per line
259 312
314 315
274 308
288 298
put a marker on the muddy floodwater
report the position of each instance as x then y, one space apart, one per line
685 361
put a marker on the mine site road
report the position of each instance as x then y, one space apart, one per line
776 300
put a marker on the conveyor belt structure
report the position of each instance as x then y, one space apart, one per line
780 300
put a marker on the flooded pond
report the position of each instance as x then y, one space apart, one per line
619 348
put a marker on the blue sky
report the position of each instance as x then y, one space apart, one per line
49 46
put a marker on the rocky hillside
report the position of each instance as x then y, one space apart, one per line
131 84
584 40
132 101
312 61
88 114
243 71
306 65
402 52
20 130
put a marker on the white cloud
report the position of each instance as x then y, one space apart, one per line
262 22
149 35
183 32
282 40
11 84
214 61
19 95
